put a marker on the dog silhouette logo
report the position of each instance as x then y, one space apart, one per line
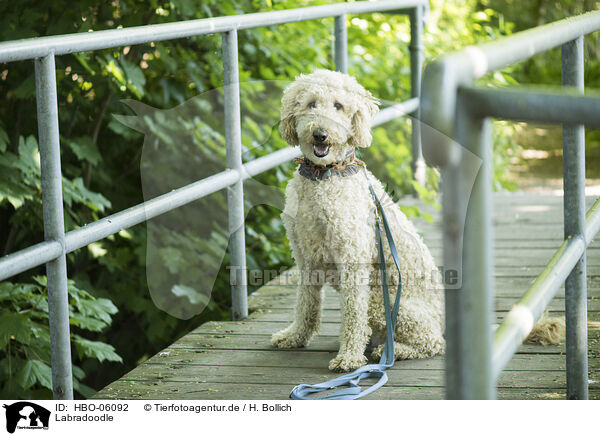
26 415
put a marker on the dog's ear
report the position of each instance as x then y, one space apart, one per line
361 120
287 128
289 104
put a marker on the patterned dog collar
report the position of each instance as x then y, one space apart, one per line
347 167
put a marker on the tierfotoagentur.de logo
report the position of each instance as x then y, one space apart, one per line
26 415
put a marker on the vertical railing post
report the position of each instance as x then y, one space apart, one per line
340 33
54 227
452 230
235 193
574 221
416 67
470 316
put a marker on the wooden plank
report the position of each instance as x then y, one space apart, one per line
194 375
227 391
503 274
533 257
282 308
434 240
506 286
332 302
193 382
291 376
256 341
548 235
333 317
506 297
267 328
534 271
265 356
507 231
512 207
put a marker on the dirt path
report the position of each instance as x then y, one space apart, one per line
539 165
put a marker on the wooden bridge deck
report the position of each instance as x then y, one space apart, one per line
234 360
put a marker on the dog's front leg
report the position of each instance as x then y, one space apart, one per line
307 315
355 331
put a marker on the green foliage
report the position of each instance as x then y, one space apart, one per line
25 339
102 154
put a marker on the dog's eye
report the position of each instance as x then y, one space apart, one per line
312 105
338 106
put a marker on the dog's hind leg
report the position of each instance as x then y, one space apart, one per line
401 352
307 316
420 326
419 331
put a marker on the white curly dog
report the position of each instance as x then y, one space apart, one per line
330 218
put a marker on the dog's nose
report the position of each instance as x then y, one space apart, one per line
320 135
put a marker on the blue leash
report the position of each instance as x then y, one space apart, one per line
353 379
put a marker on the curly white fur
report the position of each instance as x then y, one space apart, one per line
330 225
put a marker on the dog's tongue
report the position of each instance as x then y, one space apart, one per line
321 150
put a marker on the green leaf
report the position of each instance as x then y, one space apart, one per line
85 149
135 77
29 157
14 325
34 371
87 322
78 373
113 69
84 390
84 63
106 305
93 309
41 280
16 291
39 348
96 350
74 191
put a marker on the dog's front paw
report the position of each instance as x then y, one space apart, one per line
347 362
288 338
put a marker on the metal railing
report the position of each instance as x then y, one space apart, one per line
57 244
475 355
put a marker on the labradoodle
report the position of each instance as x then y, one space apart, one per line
330 218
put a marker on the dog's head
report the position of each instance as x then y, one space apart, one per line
327 113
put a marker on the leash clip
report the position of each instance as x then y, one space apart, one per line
377 216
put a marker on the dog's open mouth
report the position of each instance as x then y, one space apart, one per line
321 150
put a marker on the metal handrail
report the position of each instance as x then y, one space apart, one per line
450 104
32 48
57 244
